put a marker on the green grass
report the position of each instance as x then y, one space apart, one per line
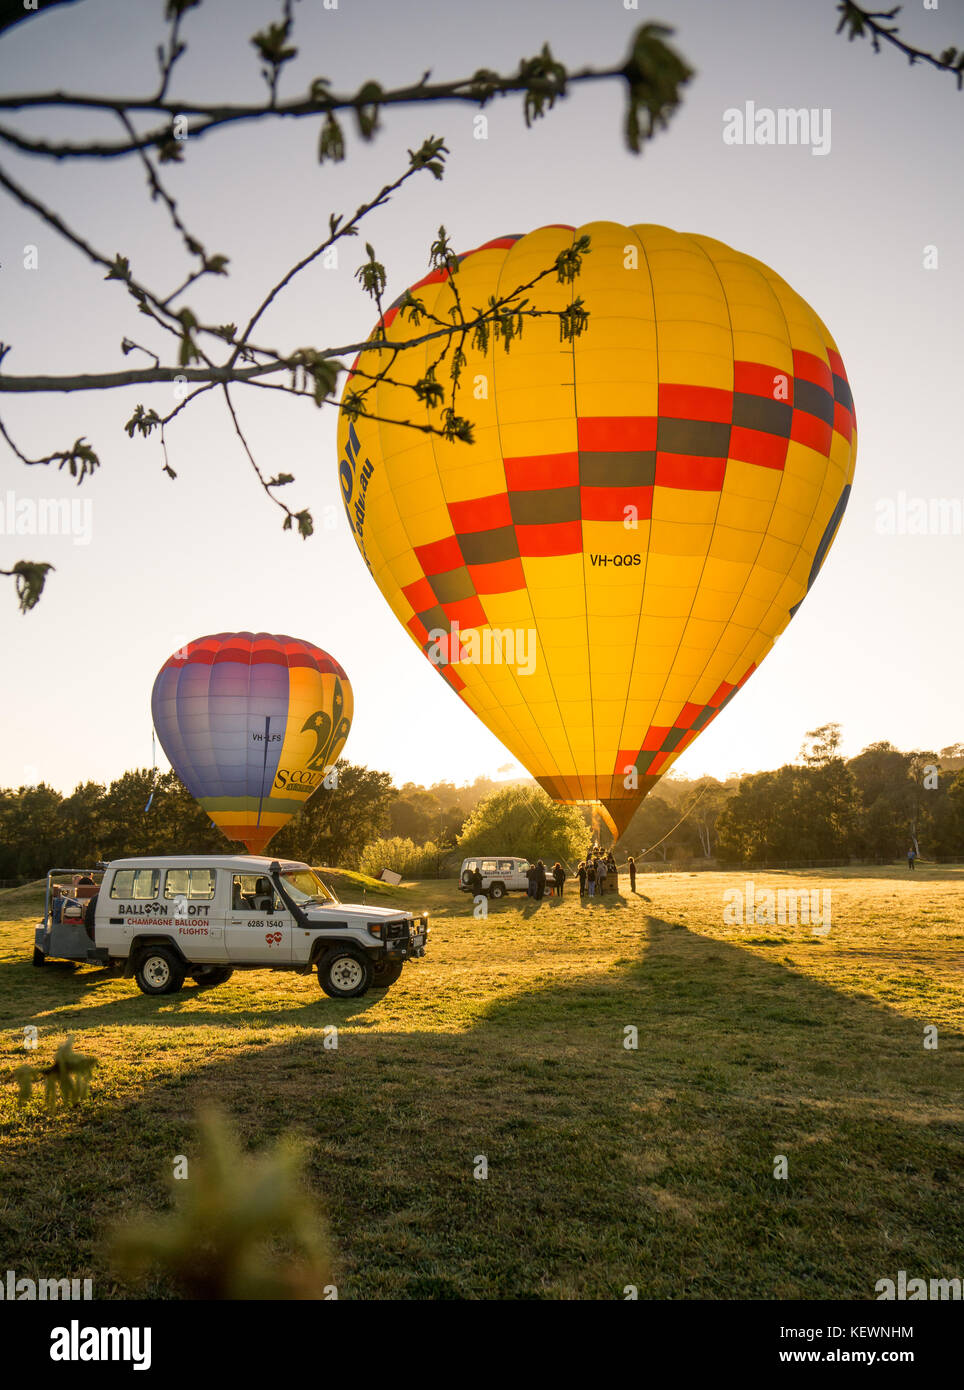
607 1166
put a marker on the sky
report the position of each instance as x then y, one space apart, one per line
869 233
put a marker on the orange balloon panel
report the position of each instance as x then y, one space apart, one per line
642 511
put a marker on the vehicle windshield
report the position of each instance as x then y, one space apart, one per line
305 886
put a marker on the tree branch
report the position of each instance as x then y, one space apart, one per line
860 22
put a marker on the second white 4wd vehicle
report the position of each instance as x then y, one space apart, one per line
500 875
206 916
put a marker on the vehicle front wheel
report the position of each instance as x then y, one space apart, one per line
159 971
38 957
497 890
385 973
344 973
213 975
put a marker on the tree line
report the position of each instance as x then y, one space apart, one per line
149 812
870 807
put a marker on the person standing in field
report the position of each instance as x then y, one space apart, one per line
601 872
540 880
581 871
591 877
632 874
911 856
558 877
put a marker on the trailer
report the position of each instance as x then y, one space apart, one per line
67 929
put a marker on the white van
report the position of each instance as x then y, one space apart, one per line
164 918
501 874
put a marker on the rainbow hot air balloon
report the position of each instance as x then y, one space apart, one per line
251 723
643 509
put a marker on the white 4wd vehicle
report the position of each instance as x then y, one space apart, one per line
500 875
206 916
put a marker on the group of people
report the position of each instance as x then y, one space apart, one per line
598 868
538 879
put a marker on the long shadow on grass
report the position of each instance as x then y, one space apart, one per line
608 1164
68 987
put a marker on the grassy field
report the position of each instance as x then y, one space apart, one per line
606 1166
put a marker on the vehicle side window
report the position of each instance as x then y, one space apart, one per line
253 893
137 884
505 866
488 866
197 885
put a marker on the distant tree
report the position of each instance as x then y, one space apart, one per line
339 822
82 815
31 832
400 855
649 828
415 813
707 809
885 801
823 745
524 821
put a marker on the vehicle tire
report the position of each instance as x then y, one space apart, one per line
467 877
213 975
385 973
38 957
496 890
159 971
344 973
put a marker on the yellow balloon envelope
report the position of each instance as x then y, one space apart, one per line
642 512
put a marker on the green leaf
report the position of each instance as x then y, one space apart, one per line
120 269
655 74
142 422
29 578
431 156
366 109
331 144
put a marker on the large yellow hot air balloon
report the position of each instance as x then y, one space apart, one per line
642 512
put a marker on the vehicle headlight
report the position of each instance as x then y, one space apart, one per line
375 928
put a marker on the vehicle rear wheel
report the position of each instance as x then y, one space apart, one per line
344 973
497 890
159 971
213 975
38 957
385 973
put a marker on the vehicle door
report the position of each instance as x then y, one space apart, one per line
195 920
509 873
127 907
259 926
487 868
